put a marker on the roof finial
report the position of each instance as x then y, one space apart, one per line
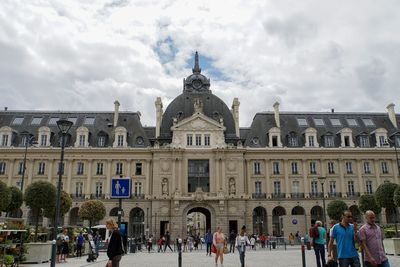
196 68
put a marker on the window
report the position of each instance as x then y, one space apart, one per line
274 141
335 122
329 141
119 168
292 139
99 189
258 187
364 141
101 142
367 167
99 169
89 121
257 169
311 140
73 120
332 187
198 139
319 122
384 167
80 168
368 186
138 170
17 121
43 140
53 120
352 122
82 140
275 167
20 167
350 188
347 141
302 122
296 187
62 168
207 140
189 140
314 187
397 140
4 140
349 167
120 140
78 189
277 187
41 169
138 189
36 120
368 122
382 140
2 167
331 167
294 168
313 167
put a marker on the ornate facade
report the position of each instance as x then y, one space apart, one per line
198 159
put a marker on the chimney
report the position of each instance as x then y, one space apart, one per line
392 114
332 110
235 114
276 114
159 113
5 108
116 110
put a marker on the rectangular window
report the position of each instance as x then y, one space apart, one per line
329 141
331 167
43 140
277 187
397 140
36 121
207 140
319 122
296 187
80 168
198 139
332 187
382 141
89 121
335 122
275 167
352 122
138 169
138 189
78 189
302 122
313 167
350 188
368 185
62 168
4 140
99 189
364 141
53 120
384 167
274 141
258 187
120 140
20 167
17 121
292 140
294 168
349 167
73 120
42 167
119 168
367 167
189 139
99 169
82 140
368 122
311 140
347 141
101 142
314 187
257 169
2 167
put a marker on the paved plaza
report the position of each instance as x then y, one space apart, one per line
289 258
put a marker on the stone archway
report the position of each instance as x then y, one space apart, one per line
136 223
277 220
198 220
317 213
114 212
260 220
206 211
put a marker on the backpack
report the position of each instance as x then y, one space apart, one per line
59 241
315 232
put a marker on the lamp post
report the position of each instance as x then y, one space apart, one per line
63 126
322 181
29 140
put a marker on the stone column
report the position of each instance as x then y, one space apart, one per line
248 176
286 170
377 172
361 188
89 179
29 170
108 179
68 164
128 168
395 170
216 173
306 189
341 176
171 187
223 178
241 172
148 176
11 172
50 170
179 182
268 186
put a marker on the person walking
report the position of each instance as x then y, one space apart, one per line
208 238
372 242
345 234
219 243
65 245
291 239
79 244
319 244
232 239
241 242
115 248
167 242
262 240
97 240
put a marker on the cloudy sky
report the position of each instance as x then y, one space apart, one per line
308 55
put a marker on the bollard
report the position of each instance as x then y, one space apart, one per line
303 255
285 245
179 245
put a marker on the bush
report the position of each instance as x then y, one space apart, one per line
335 209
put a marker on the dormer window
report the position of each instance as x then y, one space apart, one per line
336 122
363 140
352 122
274 137
329 140
120 139
302 122
311 137
292 140
346 137
381 137
82 137
44 134
4 140
5 136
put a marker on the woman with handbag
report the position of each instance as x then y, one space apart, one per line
219 243
115 248
241 242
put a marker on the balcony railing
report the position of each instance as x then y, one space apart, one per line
137 196
259 195
353 194
77 196
97 196
316 195
334 194
297 195
278 195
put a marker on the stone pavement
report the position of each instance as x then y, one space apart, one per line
289 258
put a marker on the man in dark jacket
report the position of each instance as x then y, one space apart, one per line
208 238
232 240
115 248
167 241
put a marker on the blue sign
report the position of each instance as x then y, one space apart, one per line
294 221
121 187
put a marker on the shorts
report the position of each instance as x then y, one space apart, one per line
220 246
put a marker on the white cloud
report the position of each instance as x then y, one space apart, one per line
309 55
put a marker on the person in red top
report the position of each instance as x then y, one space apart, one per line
262 240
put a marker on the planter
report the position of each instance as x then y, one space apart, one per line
396 245
38 252
392 246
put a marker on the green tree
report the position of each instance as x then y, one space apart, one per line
368 202
335 209
5 196
16 200
396 197
92 210
65 205
384 195
40 196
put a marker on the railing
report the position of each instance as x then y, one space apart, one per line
353 194
297 195
316 195
278 195
137 196
259 195
334 194
97 196
77 196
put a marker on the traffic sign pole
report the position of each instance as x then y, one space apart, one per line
119 213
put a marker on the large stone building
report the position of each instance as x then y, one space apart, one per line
198 159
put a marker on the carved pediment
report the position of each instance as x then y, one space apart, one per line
198 122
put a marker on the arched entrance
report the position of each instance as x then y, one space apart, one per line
356 213
317 213
298 210
277 220
114 212
259 220
136 223
198 220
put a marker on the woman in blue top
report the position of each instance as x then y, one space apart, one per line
319 244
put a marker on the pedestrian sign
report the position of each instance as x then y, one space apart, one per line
121 187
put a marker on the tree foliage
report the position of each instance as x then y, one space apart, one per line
5 196
65 205
396 197
335 209
368 202
384 195
92 210
16 199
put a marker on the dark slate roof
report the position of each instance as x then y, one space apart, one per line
263 122
103 125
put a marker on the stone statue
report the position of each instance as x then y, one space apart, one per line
198 106
232 187
164 187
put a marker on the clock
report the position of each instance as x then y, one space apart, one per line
197 84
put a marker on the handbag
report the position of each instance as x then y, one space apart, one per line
226 251
213 249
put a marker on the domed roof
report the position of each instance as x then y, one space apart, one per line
196 87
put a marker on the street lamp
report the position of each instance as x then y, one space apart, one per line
28 141
322 181
63 126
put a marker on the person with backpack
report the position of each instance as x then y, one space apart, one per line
79 245
319 244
